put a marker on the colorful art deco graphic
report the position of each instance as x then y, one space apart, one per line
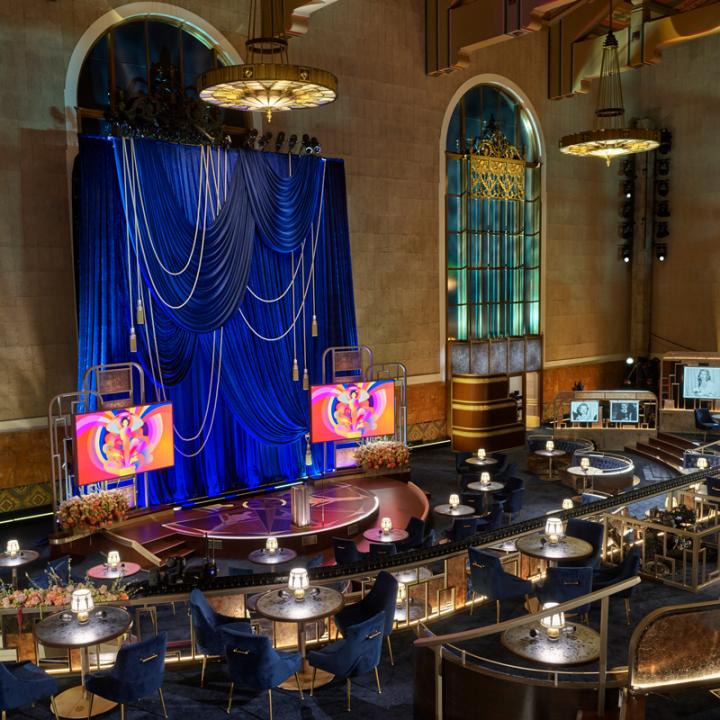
122 442
352 411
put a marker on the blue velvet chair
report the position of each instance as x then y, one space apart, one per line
22 683
383 549
207 624
567 583
500 468
514 502
356 654
461 529
589 531
346 551
704 421
465 471
137 674
493 520
61 567
381 598
253 663
416 534
605 576
488 578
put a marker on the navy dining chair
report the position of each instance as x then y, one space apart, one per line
384 549
22 683
605 576
346 551
567 583
591 532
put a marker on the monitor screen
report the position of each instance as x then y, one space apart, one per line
119 443
352 410
701 382
584 411
624 411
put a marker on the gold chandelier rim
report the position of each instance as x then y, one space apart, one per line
590 137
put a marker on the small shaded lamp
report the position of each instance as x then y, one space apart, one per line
550 445
13 548
401 594
271 545
113 559
81 603
554 530
481 454
386 525
554 623
299 582
453 501
485 478
585 464
568 504
702 463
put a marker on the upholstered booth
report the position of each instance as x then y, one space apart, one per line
616 472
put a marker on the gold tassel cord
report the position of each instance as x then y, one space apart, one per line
295 371
306 380
133 340
139 313
314 326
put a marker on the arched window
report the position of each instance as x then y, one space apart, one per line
144 72
493 218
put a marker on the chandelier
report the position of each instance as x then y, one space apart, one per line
497 171
267 82
609 137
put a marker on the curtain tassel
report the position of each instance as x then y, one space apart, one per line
140 313
314 326
295 371
133 340
306 380
308 454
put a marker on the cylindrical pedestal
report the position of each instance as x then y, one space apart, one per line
300 505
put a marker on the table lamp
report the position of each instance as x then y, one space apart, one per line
386 525
554 623
81 603
485 478
113 559
568 504
401 594
481 454
453 501
585 464
13 548
271 545
549 445
702 463
554 530
299 582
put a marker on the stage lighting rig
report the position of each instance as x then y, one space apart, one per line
249 143
315 145
292 142
625 253
265 140
660 251
279 140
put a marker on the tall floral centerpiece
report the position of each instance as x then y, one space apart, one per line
92 511
383 454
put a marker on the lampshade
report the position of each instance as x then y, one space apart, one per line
585 463
271 544
485 478
568 504
481 454
549 445
401 594
81 603
454 501
702 463
386 525
554 529
13 547
299 582
553 624
113 559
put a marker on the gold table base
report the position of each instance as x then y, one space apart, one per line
75 703
305 675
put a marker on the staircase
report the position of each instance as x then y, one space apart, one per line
167 546
665 449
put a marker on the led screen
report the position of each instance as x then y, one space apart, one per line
624 411
352 410
585 411
118 443
701 382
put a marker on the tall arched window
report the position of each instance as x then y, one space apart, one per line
493 218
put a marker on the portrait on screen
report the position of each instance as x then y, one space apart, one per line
352 410
624 411
584 411
122 442
701 382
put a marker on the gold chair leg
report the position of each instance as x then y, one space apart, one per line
347 683
4 715
497 611
377 680
202 672
232 686
270 702
297 680
122 712
162 702
472 602
90 704
389 644
628 610
312 682
54 707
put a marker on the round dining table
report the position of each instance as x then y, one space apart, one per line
567 548
485 462
105 572
550 455
577 644
487 489
379 536
262 556
62 630
21 558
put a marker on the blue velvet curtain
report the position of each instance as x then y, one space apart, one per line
261 416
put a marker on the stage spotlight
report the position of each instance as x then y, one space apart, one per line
661 251
627 210
629 360
292 142
665 142
265 140
661 230
626 231
626 253
663 188
306 149
315 145
250 139
663 209
628 167
626 188
663 166
279 140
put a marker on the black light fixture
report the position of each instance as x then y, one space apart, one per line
315 145
279 140
292 142
251 138
661 251
626 253
264 141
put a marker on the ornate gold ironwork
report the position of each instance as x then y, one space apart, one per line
497 171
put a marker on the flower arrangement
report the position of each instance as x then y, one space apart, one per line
93 510
57 595
383 454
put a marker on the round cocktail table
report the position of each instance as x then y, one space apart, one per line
550 455
104 572
377 535
568 548
485 462
577 644
23 557
487 491
263 557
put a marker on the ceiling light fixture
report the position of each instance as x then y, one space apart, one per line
267 82
609 138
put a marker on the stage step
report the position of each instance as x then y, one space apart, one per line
679 442
673 450
656 455
163 546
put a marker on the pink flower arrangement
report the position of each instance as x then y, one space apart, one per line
93 510
57 596
383 454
